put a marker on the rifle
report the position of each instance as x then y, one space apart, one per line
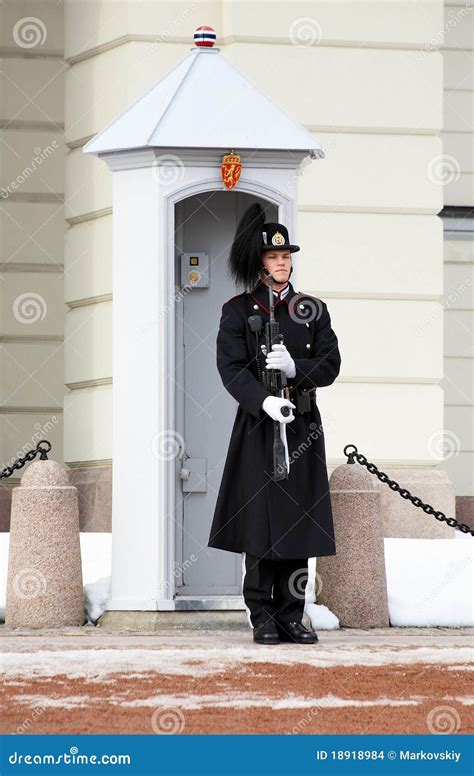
274 380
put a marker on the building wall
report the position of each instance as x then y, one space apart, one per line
458 122
367 79
31 233
458 299
368 214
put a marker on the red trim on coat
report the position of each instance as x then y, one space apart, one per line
266 308
235 297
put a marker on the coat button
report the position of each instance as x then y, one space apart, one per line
308 346
255 307
307 325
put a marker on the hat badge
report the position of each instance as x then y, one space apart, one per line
278 239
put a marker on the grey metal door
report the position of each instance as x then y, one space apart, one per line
205 223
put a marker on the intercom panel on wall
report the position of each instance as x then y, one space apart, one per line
195 270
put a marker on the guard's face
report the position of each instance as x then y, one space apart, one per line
278 263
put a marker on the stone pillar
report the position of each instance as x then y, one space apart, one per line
44 585
353 582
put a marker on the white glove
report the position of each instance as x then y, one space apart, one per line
279 358
272 406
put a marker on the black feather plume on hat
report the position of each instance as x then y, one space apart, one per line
245 260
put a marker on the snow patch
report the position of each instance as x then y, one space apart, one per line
96 598
429 582
247 700
205 661
321 617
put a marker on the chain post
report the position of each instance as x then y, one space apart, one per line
30 456
404 493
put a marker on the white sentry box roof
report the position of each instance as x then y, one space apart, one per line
204 102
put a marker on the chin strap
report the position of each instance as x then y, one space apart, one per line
266 273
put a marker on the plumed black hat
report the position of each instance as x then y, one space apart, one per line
253 236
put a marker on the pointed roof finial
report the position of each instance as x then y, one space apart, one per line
204 36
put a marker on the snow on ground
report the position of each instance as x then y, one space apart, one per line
321 617
199 661
232 700
429 581
96 597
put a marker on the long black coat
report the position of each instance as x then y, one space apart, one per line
291 518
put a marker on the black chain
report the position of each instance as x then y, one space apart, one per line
404 493
31 454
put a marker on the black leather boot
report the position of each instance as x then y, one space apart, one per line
266 633
297 633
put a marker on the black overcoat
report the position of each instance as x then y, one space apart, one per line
291 518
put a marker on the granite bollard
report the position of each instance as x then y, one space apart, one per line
353 582
44 584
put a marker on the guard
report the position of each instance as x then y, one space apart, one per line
276 522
